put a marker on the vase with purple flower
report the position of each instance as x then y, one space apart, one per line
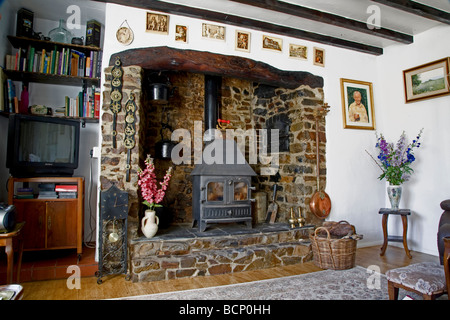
395 161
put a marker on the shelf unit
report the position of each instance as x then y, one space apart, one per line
21 42
48 78
50 223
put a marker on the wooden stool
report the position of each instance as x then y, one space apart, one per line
404 213
6 240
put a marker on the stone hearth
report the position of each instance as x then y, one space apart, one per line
182 251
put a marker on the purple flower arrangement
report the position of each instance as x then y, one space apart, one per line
395 160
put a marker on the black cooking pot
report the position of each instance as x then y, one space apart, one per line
164 147
160 93
160 88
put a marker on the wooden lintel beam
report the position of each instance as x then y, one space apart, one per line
171 59
224 18
328 18
418 9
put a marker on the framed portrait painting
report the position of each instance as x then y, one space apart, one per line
242 42
427 81
319 57
357 104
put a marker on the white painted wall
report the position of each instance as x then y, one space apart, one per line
430 183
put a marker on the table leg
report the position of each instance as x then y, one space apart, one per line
385 234
10 257
19 263
405 230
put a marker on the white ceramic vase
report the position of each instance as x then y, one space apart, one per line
150 223
394 194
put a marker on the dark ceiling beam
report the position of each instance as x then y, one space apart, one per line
224 18
327 18
417 9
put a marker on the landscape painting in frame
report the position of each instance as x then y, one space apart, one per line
298 51
272 43
212 31
157 23
427 81
357 104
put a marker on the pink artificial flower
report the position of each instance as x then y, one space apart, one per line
147 181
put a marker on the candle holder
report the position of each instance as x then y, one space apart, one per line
292 220
300 220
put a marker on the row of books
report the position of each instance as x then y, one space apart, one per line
49 191
86 104
69 62
10 102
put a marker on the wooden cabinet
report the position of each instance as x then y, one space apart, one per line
50 223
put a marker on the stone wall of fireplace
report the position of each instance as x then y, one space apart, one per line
248 105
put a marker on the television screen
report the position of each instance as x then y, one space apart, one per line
39 146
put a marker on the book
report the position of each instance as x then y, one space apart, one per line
66 188
67 195
2 90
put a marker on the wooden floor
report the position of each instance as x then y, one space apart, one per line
117 286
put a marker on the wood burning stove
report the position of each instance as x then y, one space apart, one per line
222 189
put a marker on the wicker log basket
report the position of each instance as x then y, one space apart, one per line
334 252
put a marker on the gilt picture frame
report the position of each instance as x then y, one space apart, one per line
430 80
357 104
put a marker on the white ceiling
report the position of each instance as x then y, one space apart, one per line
391 18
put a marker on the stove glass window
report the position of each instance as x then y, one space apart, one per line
240 191
215 191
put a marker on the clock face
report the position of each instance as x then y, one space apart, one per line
114 204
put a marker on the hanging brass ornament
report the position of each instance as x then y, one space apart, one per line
116 95
130 130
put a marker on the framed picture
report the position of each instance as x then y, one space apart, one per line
298 52
212 31
319 57
429 80
357 104
272 43
242 42
181 33
157 23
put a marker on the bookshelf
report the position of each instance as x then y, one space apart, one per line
49 62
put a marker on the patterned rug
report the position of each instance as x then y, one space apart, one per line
353 284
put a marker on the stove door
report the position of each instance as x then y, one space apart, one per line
240 191
215 191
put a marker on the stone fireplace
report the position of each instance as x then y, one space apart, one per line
262 98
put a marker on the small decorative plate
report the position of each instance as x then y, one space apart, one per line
125 35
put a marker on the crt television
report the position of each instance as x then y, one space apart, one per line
42 146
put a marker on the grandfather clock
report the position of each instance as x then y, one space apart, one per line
113 226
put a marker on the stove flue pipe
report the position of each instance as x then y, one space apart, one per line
212 87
